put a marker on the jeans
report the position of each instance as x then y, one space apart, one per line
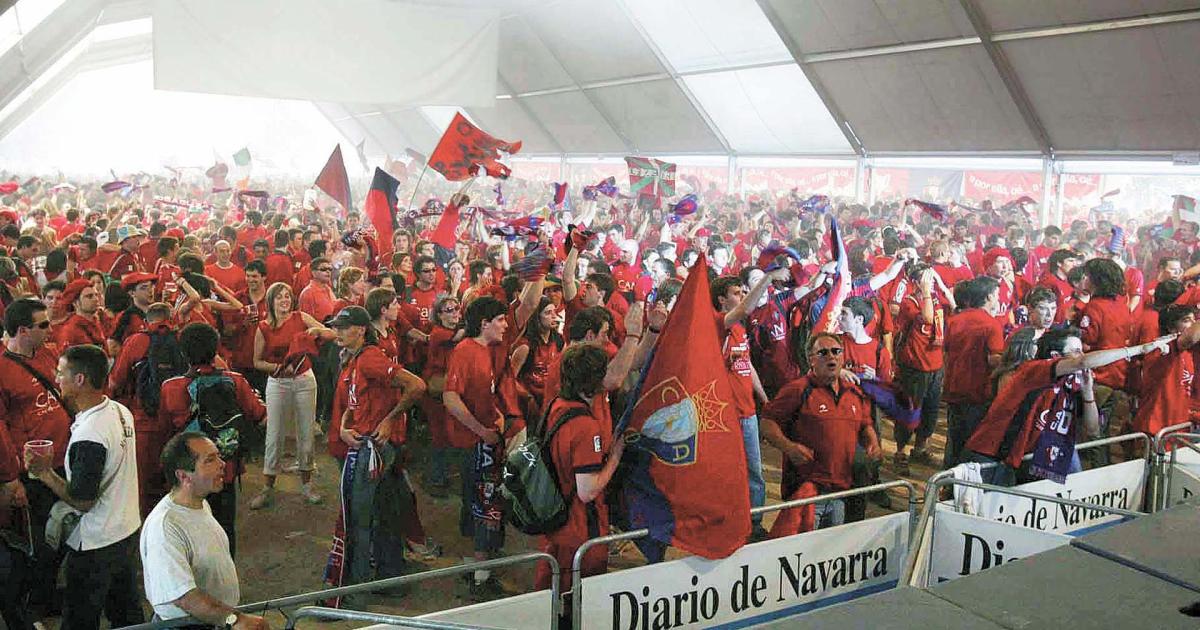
830 513
925 388
291 403
103 581
961 421
758 486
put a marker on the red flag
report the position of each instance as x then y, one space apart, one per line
333 179
686 484
380 208
464 148
447 228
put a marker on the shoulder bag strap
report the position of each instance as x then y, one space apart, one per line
50 387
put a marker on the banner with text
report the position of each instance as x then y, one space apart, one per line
1001 186
963 544
1119 485
758 583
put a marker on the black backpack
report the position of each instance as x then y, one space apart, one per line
163 361
530 485
215 413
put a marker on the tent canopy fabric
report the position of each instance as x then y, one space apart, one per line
746 77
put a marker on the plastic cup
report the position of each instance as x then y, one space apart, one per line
43 448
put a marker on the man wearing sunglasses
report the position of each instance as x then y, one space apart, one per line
425 289
816 421
317 298
30 410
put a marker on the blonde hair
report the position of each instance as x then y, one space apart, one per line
346 278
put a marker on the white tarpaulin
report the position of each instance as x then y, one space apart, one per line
759 582
964 544
349 51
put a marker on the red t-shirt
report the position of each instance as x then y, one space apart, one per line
29 412
828 423
952 275
921 345
125 263
232 277
78 330
148 252
989 437
735 348
277 340
279 268
247 236
578 447
423 300
317 300
364 387
971 336
1106 323
174 409
242 325
1063 290
767 330
1167 389
470 374
872 354
538 363
168 281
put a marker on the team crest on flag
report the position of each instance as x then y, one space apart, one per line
670 430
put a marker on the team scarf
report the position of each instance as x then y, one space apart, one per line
335 566
486 502
1056 444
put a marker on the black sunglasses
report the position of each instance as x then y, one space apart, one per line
827 352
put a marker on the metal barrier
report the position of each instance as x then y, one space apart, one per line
1159 463
1185 439
931 500
378 585
577 578
1108 441
320 612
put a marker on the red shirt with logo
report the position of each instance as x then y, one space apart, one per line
921 345
29 412
828 422
364 388
1106 323
735 348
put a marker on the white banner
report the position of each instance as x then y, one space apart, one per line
759 582
531 610
1186 458
964 544
1119 485
351 51
1185 484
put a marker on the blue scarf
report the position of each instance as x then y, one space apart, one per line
1056 444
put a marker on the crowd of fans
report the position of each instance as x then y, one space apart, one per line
150 343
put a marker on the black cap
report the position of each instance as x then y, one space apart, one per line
351 316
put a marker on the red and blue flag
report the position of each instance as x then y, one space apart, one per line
687 481
939 213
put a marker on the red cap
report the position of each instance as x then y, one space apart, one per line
71 293
11 215
130 280
175 233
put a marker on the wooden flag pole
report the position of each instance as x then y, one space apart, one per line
417 185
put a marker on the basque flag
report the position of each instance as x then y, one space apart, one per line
687 481
380 209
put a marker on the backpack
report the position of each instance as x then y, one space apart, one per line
163 361
530 484
216 414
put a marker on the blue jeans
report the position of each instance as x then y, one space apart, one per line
830 513
758 486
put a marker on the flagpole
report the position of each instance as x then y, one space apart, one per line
416 186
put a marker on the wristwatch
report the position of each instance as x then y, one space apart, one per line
231 620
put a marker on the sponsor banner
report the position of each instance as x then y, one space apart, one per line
1080 187
1001 186
806 180
758 583
1119 485
531 610
964 544
1185 484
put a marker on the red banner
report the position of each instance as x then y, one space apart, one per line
1001 186
807 180
706 176
889 183
1080 186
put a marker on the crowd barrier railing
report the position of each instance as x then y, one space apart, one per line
338 614
934 488
378 585
1186 440
1159 463
577 578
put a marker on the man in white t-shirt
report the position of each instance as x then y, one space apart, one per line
186 563
101 483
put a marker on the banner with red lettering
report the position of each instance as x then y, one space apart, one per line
805 179
1001 186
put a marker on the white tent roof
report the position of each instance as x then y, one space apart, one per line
745 77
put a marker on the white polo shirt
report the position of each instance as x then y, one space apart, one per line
114 517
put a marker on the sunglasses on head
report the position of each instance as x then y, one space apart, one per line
828 352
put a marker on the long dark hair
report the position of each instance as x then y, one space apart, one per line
533 334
